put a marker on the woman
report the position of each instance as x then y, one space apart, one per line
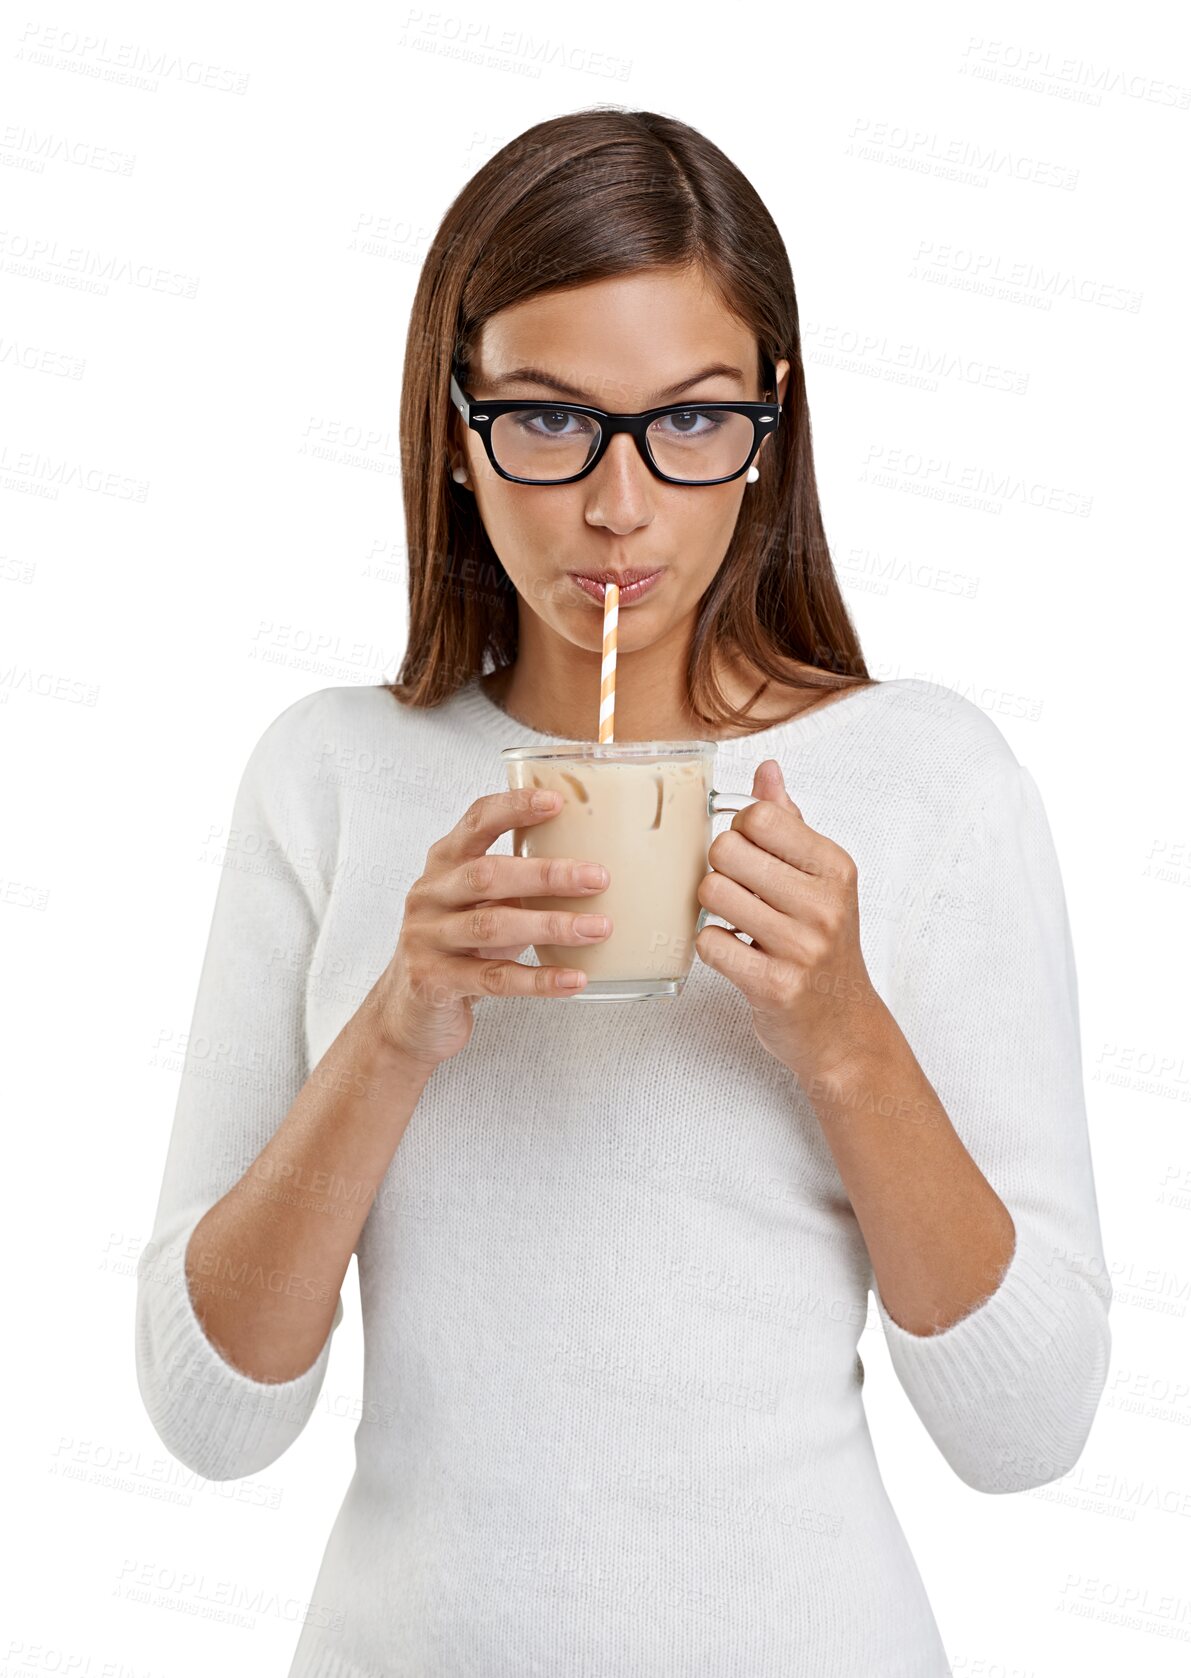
615 1275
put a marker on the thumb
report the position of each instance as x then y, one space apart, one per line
769 782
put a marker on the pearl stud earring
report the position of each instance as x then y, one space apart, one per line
751 475
459 473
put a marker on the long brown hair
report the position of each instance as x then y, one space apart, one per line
578 198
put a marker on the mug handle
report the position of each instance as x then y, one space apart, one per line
728 803
723 804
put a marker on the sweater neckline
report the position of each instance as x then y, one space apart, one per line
487 714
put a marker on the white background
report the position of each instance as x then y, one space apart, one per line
282 174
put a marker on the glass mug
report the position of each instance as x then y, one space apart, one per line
644 809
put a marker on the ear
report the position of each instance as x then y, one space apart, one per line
455 445
457 448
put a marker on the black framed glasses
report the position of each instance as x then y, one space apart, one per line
561 442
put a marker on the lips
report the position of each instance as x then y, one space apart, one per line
631 584
622 579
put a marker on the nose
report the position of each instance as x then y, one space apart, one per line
619 490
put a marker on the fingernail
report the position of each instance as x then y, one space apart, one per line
544 800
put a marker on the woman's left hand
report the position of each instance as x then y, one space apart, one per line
793 892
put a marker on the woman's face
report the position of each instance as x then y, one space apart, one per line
629 343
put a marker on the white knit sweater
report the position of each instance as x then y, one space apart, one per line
612 1283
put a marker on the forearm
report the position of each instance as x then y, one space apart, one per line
266 1263
938 1235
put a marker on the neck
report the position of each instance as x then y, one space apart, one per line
558 692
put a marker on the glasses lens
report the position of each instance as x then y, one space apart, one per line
693 445
544 443
698 444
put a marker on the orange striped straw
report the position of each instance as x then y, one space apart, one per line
608 669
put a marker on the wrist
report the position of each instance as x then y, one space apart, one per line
386 1052
846 1066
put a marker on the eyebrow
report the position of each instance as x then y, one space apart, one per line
537 376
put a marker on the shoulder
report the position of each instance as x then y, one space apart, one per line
357 709
979 847
288 744
301 752
941 738
940 762
351 703
317 726
281 777
341 743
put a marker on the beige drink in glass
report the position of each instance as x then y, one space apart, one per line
644 809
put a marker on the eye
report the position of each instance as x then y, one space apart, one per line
691 422
553 423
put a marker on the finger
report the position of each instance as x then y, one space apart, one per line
750 914
482 928
783 887
785 834
738 961
769 782
489 975
511 877
487 817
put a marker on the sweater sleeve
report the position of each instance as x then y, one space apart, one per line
986 995
245 1062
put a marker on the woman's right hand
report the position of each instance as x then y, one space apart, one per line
463 926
